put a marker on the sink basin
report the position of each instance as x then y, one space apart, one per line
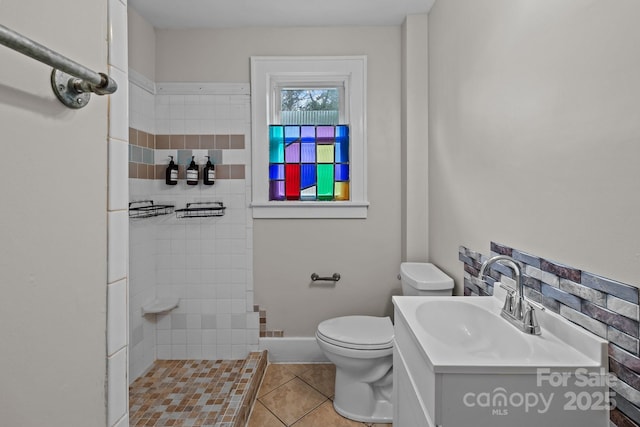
476 330
470 367
467 334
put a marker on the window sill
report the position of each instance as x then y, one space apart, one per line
315 210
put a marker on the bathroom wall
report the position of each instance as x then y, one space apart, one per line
142 45
533 131
53 257
414 131
367 252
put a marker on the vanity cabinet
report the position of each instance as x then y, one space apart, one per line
489 394
413 382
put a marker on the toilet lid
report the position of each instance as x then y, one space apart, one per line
358 332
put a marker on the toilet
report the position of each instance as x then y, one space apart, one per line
361 347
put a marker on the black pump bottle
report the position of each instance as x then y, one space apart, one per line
171 176
209 172
193 172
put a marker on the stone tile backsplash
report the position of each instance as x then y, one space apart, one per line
607 308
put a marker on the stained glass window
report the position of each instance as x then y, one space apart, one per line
309 163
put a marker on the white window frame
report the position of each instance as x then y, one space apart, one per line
268 74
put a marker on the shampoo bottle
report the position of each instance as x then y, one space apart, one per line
193 172
209 172
171 177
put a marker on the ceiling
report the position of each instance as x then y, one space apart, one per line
276 13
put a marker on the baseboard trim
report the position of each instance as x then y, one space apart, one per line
293 350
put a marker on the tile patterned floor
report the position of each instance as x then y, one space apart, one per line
191 393
299 395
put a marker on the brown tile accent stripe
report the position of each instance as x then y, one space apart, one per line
605 307
144 140
202 393
263 325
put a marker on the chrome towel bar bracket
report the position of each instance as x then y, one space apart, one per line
334 278
72 83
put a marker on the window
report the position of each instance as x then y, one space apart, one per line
310 106
308 137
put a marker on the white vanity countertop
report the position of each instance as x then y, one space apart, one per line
467 335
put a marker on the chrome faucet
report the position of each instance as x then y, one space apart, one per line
516 309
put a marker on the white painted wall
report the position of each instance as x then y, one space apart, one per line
142 45
286 252
415 138
534 131
53 222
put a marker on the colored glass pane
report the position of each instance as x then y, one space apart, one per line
292 181
325 182
342 191
325 132
309 162
276 190
292 153
342 132
276 172
325 153
276 152
342 172
342 152
308 193
276 133
291 133
308 154
307 175
308 133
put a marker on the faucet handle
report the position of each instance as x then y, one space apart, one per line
519 308
508 302
530 322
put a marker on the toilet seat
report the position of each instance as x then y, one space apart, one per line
357 332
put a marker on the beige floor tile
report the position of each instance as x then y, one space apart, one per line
275 376
326 416
261 417
299 368
292 400
322 378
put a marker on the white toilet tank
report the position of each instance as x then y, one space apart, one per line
424 279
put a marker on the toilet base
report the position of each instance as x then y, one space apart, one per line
364 402
383 414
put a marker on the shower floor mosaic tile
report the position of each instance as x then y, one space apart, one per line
192 393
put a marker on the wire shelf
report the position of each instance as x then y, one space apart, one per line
147 209
201 210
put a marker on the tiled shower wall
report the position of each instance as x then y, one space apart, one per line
603 306
205 262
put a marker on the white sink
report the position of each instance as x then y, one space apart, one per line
467 334
457 362
476 331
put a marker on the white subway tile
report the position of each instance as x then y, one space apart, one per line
118 245
118 45
119 106
116 316
194 352
123 422
178 352
164 352
117 393
118 175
